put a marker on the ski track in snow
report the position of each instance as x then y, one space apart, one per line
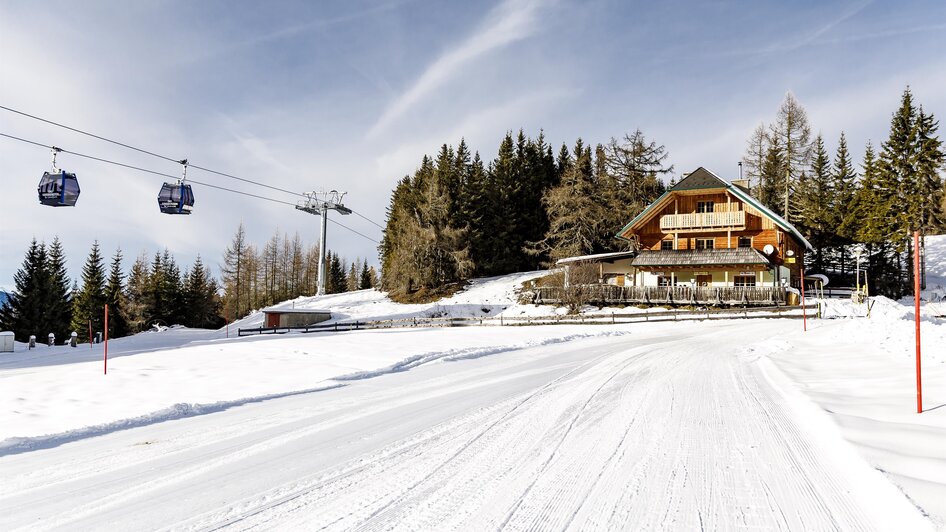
666 432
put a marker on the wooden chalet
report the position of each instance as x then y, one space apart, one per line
705 241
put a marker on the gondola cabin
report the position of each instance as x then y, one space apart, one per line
60 189
176 198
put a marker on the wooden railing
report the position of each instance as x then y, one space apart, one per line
675 295
703 220
706 313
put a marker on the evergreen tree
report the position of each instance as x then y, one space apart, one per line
365 280
24 312
930 194
352 280
815 201
135 308
844 184
202 304
772 176
115 298
57 293
574 213
89 304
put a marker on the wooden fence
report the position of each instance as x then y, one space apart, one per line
669 295
566 319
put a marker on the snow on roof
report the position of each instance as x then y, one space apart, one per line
600 257
291 310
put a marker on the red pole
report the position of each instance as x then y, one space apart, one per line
90 335
804 313
916 316
106 340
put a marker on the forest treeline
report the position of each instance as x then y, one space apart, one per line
283 268
458 217
158 291
875 206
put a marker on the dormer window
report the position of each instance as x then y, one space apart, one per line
704 206
666 245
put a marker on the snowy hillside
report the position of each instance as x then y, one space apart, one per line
474 426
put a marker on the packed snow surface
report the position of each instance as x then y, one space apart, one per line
718 424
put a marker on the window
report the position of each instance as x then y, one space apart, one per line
704 206
743 281
745 241
704 243
666 245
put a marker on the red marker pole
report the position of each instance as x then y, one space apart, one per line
916 316
106 341
90 335
804 313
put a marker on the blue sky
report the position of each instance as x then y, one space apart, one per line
350 95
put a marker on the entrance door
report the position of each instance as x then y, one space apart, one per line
704 280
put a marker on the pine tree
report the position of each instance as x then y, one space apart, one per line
89 305
930 194
815 198
844 184
24 312
574 213
135 310
200 296
636 165
365 280
115 298
58 292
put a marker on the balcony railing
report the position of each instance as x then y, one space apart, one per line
703 220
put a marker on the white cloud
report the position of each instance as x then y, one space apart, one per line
509 22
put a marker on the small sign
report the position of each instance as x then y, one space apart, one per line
659 274
747 273
701 273
790 260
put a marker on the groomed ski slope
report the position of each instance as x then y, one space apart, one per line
670 428
724 425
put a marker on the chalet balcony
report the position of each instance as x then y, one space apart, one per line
703 221
604 294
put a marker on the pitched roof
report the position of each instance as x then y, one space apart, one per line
700 257
701 178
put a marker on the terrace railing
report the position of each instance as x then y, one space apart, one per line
673 295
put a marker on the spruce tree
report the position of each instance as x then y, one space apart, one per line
58 292
365 280
25 312
843 180
575 215
135 309
115 298
89 304
202 305
815 198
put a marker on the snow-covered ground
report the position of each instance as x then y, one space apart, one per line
722 424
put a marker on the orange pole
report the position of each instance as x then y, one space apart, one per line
804 313
90 335
916 316
106 340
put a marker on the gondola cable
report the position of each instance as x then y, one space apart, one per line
147 152
166 158
162 174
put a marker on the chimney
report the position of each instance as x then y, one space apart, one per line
743 184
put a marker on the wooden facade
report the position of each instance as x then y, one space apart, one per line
703 212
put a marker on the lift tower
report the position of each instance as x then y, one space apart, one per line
321 203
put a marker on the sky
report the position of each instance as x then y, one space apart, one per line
349 96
